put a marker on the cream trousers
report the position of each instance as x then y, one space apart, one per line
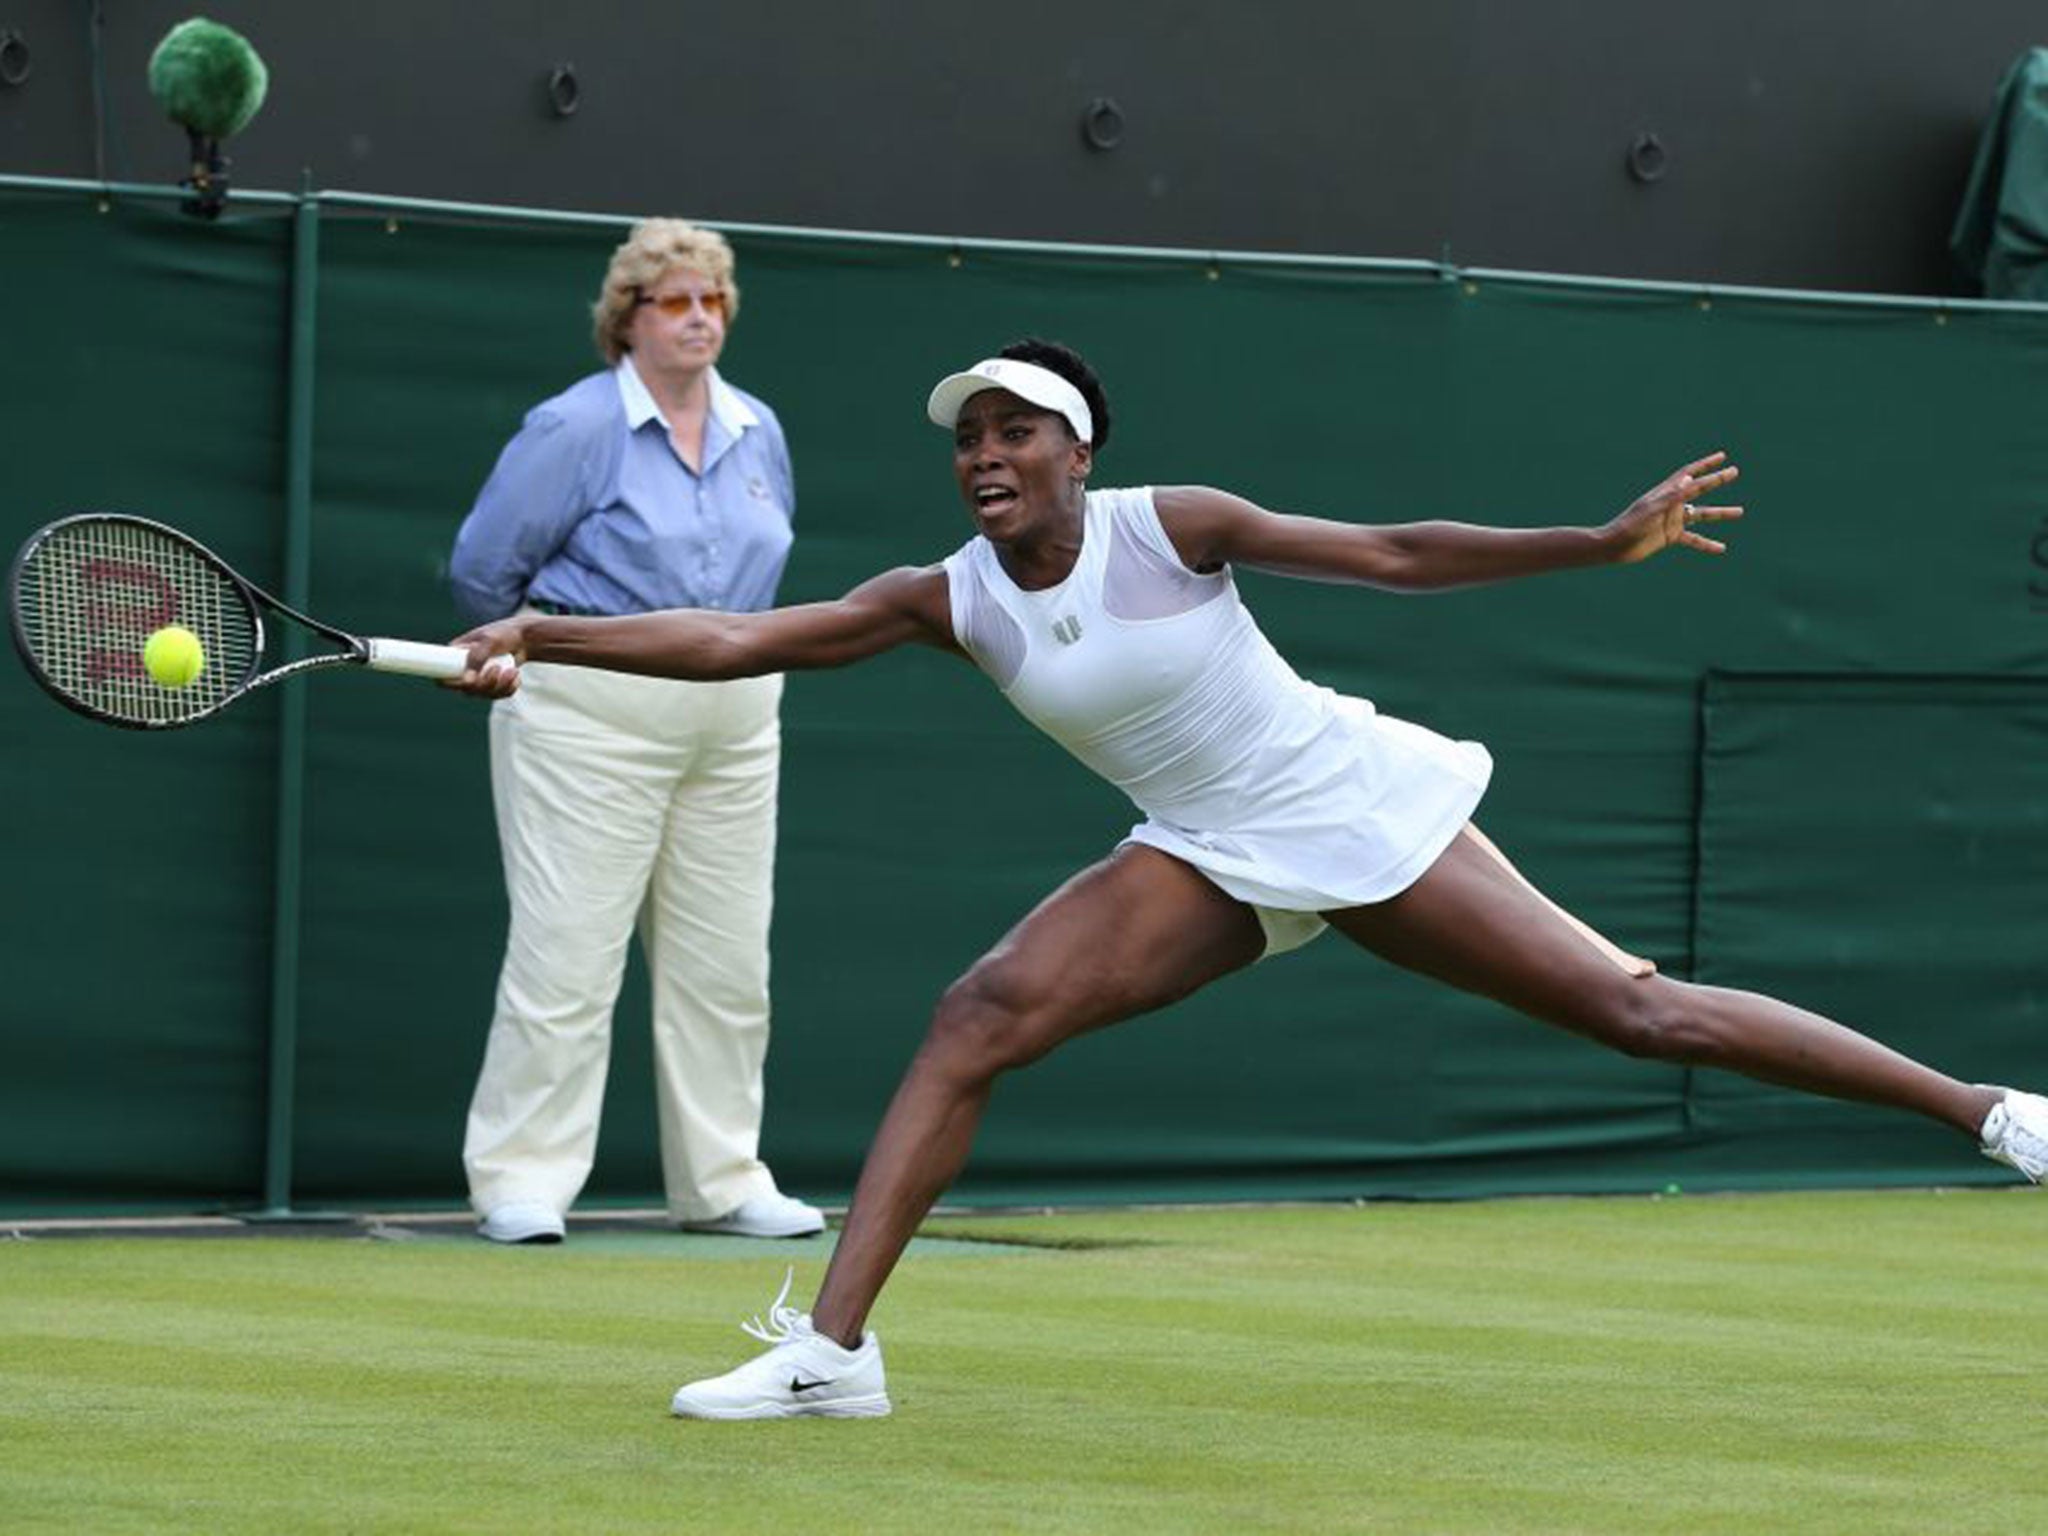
625 801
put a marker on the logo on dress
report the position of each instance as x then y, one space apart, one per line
1067 630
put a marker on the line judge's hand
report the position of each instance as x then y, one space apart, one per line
1671 511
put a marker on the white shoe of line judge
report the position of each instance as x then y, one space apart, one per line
522 1221
771 1215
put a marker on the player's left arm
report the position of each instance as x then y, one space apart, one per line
1213 528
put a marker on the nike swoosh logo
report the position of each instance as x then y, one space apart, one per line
798 1384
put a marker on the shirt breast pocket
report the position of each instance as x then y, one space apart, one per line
764 500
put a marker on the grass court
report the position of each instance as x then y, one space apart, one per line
1869 1362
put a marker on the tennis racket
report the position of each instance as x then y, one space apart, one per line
87 592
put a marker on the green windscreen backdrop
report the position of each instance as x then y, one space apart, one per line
1818 767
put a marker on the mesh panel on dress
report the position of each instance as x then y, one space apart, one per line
1142 574
980 624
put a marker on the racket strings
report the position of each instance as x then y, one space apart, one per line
92 593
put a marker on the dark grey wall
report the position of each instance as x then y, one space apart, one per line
1812 143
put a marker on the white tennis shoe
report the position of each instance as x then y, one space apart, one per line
802 1375
2016 1133
522 1221
771 1215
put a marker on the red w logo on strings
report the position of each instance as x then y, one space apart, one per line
124 601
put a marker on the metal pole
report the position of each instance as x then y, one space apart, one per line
291 740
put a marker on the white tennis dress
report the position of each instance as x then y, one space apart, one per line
1290 797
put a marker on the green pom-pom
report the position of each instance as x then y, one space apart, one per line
207 77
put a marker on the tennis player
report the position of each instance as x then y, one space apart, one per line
1274 808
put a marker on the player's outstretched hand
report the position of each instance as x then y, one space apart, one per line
495 652
1670 512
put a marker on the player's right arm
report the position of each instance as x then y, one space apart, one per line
899 607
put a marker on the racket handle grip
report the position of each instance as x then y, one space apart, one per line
419 660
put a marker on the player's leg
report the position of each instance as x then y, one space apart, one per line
705 932
1472 922
1131 934
578 819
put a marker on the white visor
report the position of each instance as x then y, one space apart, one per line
1041 386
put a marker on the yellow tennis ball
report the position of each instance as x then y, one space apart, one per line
173 656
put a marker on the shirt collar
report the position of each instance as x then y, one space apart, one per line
727 408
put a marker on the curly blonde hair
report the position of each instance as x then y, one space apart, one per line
654 249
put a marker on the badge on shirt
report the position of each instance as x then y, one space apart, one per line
1067 630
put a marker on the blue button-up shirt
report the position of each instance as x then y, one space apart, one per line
590 507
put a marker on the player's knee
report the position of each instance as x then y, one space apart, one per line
1658 1020
982 1027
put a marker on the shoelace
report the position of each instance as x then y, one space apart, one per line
782 1322
2024 1142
